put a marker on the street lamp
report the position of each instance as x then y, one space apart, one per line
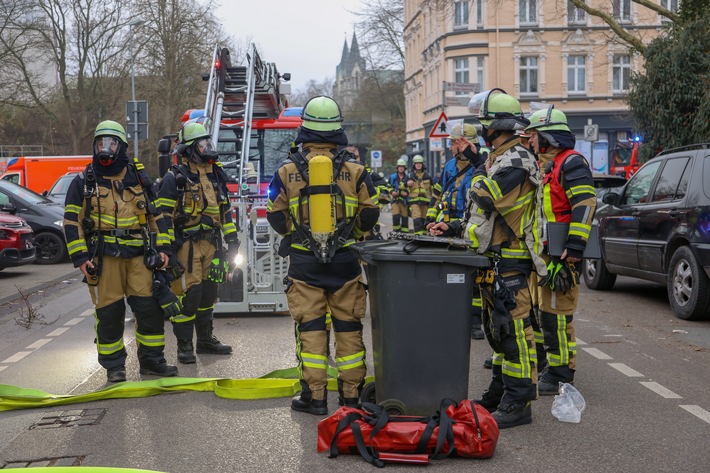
132 24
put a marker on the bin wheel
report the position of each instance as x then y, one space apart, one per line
394 407
368 393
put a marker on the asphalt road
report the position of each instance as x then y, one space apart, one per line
643 373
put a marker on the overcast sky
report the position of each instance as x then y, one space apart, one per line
303 37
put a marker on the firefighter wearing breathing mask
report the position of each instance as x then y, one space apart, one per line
195 201
321 200
118 239
569 197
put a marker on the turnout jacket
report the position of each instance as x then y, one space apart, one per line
353 180
420 192
398 183
452 188
569 195
201 207
120 208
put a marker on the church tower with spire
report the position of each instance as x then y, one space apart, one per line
349 75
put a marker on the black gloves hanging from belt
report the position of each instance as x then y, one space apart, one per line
168 301
561 276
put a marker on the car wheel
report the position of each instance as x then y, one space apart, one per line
51 248
688 286
596 275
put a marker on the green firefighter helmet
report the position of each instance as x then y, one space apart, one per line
196 143
401 162
418 159
111 128
322 113
465 130
496 110
548 119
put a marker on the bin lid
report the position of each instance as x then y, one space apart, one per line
419 252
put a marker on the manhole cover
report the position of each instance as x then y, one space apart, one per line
73 418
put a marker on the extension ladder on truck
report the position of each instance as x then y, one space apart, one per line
237 97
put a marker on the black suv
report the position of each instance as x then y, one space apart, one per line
657 227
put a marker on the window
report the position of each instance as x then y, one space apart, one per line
461 14
621 73
622 10
575 15
576 76
669 183
639 185
461 72
671 5
479 13
528 12
4 199
479 72
528 75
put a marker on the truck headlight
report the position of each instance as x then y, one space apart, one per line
238 260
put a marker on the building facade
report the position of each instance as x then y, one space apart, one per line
349 75
541 51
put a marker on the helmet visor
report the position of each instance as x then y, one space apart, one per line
205 148
106 144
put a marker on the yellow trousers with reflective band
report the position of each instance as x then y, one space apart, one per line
308 306
400 216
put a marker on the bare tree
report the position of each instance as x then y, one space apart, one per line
312 88
380 28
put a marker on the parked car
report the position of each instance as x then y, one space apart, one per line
58 192
605 183
44 216
16 241
657 227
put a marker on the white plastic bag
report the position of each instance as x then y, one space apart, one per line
568 404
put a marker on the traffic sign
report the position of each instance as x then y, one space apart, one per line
138 108
376 158
439 128
456 101
462 87
435 144
591 132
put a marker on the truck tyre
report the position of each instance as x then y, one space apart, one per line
596 275
688 286
51 248
368 393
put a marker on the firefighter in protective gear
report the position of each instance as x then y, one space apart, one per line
317 284
400 198
108 218
420 186
568 197
505 190
195 202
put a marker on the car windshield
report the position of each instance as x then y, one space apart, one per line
621 157
62 185
31 197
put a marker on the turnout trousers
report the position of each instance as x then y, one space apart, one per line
400 216
129 278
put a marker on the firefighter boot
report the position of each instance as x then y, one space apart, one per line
116 374
513 414
161 368
491 396
208 343
185 352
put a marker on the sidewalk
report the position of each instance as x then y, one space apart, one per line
32 278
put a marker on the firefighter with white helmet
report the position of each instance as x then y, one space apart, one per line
195 200
400 197
420 192
321 200
569 197
110 219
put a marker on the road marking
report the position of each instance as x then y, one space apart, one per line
580 342
86 313
58 332
598 354
74 321
2 367
17 356
39 343
661 390
626 370
698 412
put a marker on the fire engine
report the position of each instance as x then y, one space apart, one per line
253 130
625 158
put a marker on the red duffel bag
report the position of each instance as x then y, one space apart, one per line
462 429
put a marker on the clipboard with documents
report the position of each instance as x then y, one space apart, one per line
557 239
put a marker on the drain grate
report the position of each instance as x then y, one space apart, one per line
73 418
57 461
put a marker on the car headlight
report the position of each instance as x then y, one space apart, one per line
238 260
59 223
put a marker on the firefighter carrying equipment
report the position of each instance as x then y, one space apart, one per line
323 235
168 301
560 276
464 430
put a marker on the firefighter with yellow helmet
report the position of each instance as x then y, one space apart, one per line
321 200
400 197
420 191
118 240
195 201
568 197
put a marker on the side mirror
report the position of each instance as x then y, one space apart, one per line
610 198
9 208
164 146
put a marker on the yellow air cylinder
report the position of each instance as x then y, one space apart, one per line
321 211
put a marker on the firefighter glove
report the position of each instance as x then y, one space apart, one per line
175 269
504 302
549 280
218 270
168 301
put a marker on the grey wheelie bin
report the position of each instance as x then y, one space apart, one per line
420 305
